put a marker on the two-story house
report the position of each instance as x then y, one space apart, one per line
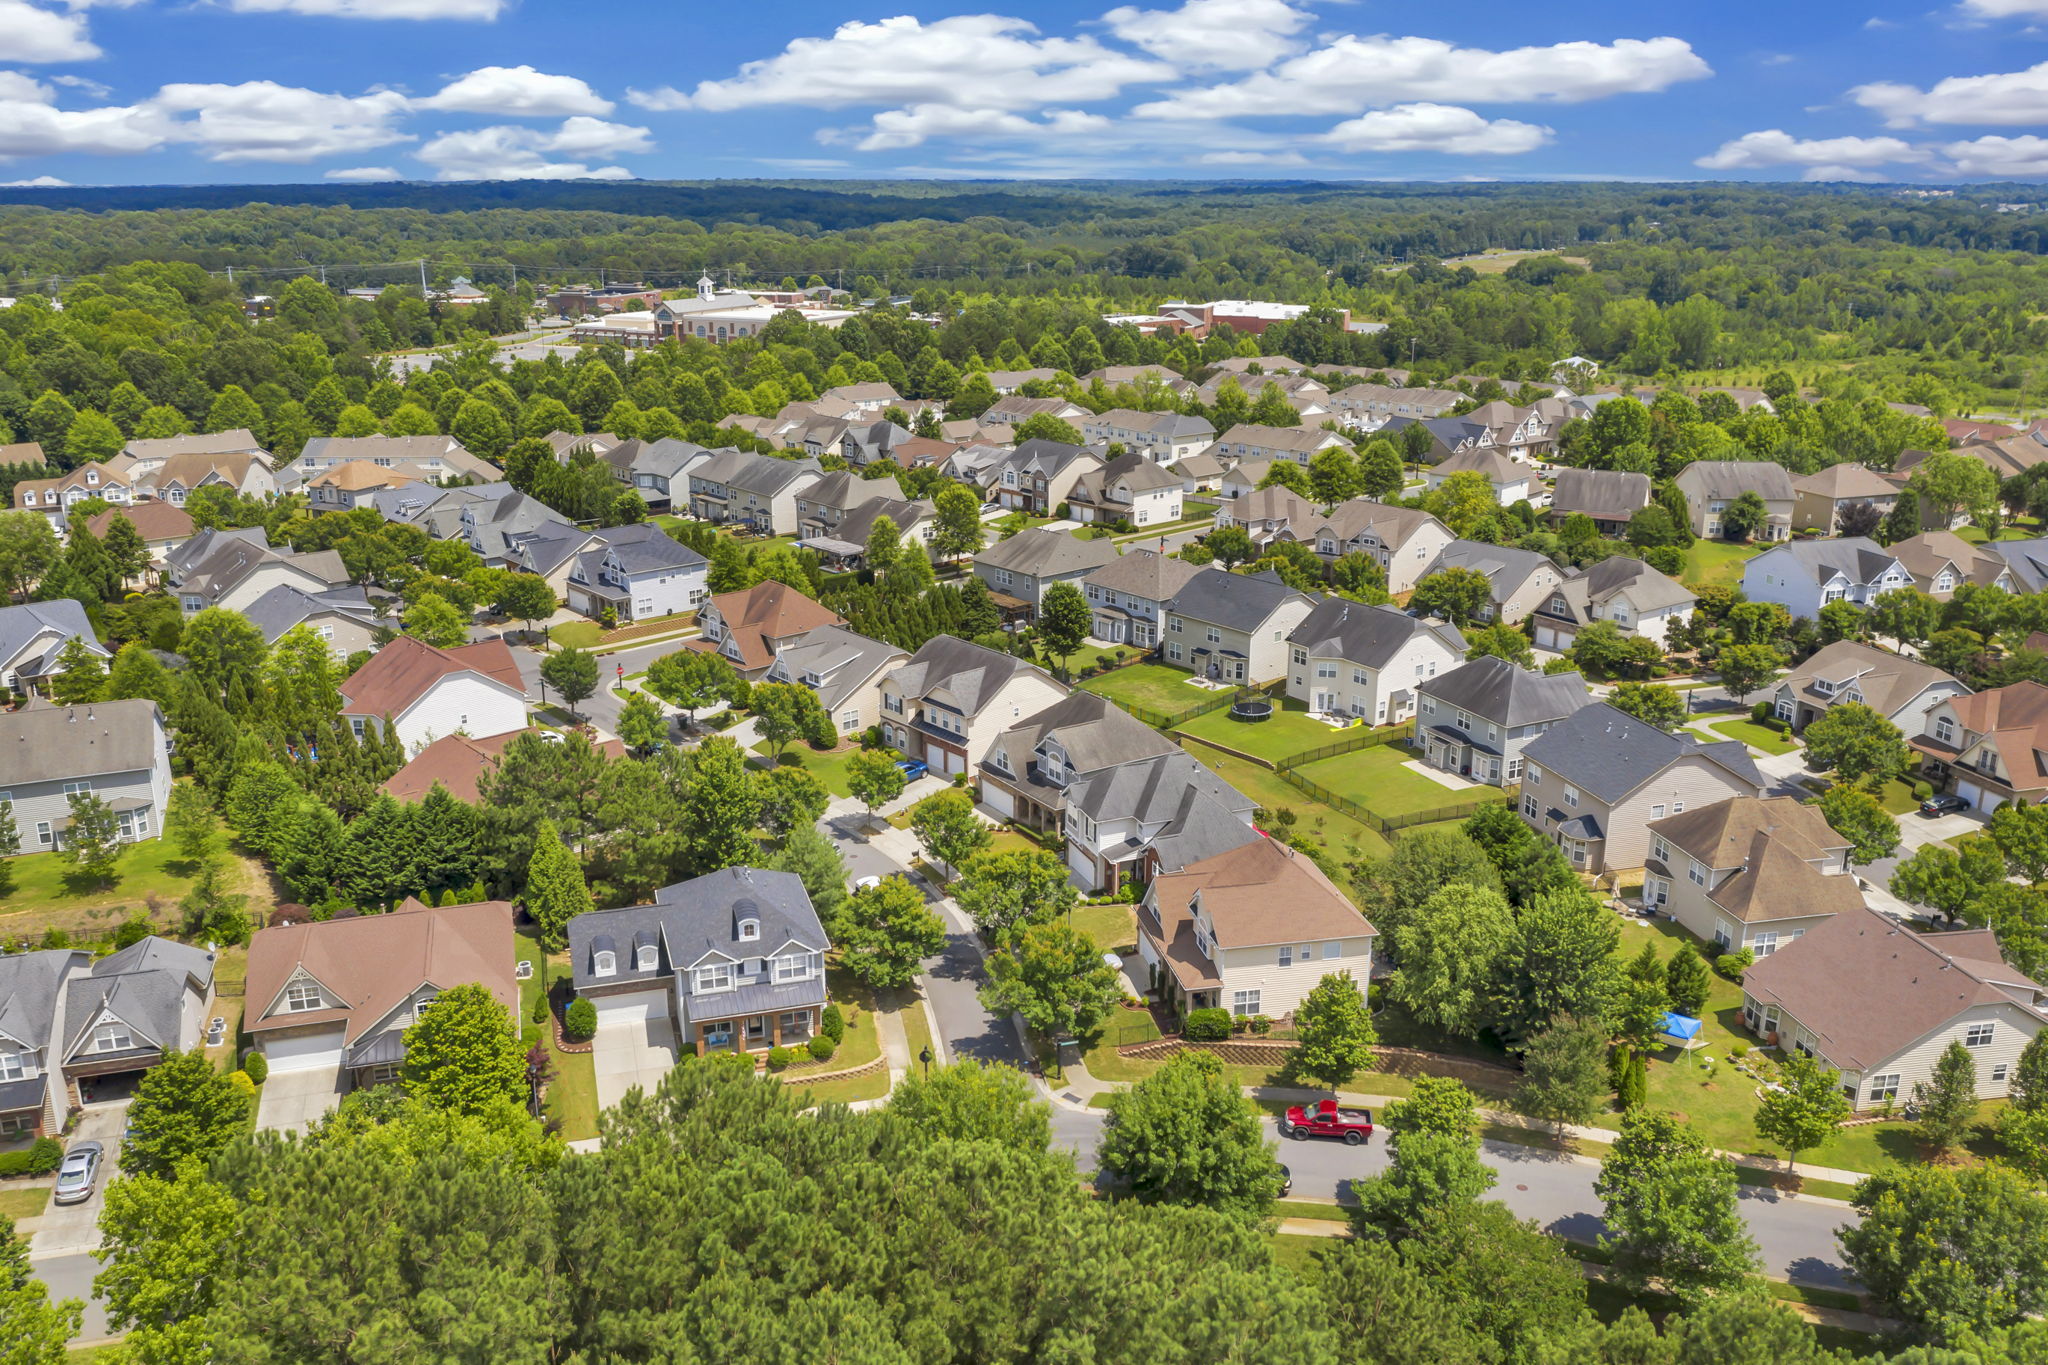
844 669
177 476
1129 489
337 996
1880 1003
1710 485
1148 817
659 471
1522 579
758 491
1942 561
1022 781
1522 434
1160 437
34 1095
1593 782
1476 719
949 702
1820 499
55 496
353 484
1611 497
428 459
497 528
1268 514
115 750
32 640
1748 872
146 455
1511 480
732 961
1638 599
1403 541
867 443
162 527
1242 479
640 572
232 571
1233 627
1024 566
1987 747
343 617
1805 575
1251 931
1010 411
1904 691
1038 475
1251 441
425 693
1350 660
747 627
1129 595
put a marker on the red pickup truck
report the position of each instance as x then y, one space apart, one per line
1327 1119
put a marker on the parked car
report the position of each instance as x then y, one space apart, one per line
913 768
864 883
1327 1119
1286 1182
79 1176
1943 803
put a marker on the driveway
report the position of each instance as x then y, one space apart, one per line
291 1100
72 1228
629 1053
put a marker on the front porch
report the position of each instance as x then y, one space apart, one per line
748 1033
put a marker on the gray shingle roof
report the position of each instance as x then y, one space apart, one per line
698 918
1610 753
1507 695
1857 558
1144 573
1041 552
1507 565
285 606
1733 478
1154 790
840 658
1602 494
1647 589
1365 635
29 983
970 672
645 548
1235 601
20 625
45 743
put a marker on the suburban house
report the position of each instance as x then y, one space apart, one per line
1476 719
758 491
32 640
1022 780
1522 434
342 617
499 528
1710 485
640 572
1593 782
2025 560
1818 500
1522 579
55 496
1511 480
1199 473
348 486
733 961
177 477
35 1097
1233 627
425 693
1159 437
1024 566
1354 661
1038 475
427 459
844 669
116 750
1988 745
549 550
232 571
1805 575
1129 595
455 763
1129 489
1007 382
1635 597
162 527
822 505
337 995
1611 497
1242 479
1402 540
1268 514
847 541
1009 411
747 627
438 511
864 400
1250 441
1251 931
1942 561
656 470
1880 1004
148 454
949 702
1749 872
1904 691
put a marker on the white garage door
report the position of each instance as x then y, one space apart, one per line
1970 792
1546 638
1082 867
630 1011
998 800
304 1052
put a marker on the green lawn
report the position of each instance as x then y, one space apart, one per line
1154 686
47 890
1378 780
572 1095
1113 927
1345 839
829 769
1897 797
576 634
1288 732
1715 561
20 1204
1772 739
2023 528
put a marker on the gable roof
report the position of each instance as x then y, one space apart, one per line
1647 588
286 605
1339 628
43 742
693 918
1732 478
971 673
1610 753
1602 494
1506 565
29 986
1773 844
842 660
1487 460
1845 480
144 986
237 441
1144 573
153 520
1235 601
1260 893
1887 681
25 622
1926 554
407 669
755 618
1856 558
1302 440
2015 720
1492 687
1041 552
457 761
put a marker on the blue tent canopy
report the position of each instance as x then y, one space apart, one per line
1680 1026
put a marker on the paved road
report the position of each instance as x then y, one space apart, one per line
69 1276
602 708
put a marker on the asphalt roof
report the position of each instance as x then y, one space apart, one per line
697 918
1609 753
1340 628
48 743
1492 687
1235 601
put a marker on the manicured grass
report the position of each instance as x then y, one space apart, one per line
107 1353
1897 797
1764 737
1289 731
23 1203
1715 561
1014 841
49 891
917 1028
1295 1251
1302 1208
1379 780
1154 686
572 1094
1344 838
576 634
2023 528
871 1087
1113 927
829 769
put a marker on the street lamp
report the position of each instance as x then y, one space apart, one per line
926 1057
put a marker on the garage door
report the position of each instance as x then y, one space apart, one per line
1546 638
630 1011
998 800
1970 792
304 1052
1082 867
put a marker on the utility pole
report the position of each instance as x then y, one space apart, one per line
423 277
231 274
323 277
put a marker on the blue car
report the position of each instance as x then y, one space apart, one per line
913 768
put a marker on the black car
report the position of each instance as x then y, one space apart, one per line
1946 803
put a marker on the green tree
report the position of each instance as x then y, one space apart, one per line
874 779
164 1242
224 654
184 1109
1948 1099
92 840
1905 614
1860 818
28 547
692 679
1656 703
884 931
191 822
1435 1104
1054 976
92 436
1458 595
1231 546
946 825
1947 484
1558 959
34 1329
974 1103
1187 1135
1564 1072
81 678
1380 475
1334 1030
790 797
1951 1252
1744 517
1745 668
2021 833
814 860
1447 952
720 808
1804 1111
1064 620
885 545
1858 745
1688 983
126 549
1432 1177
958 528
525 597
786 712
1389 890
463 1052
555 890
438 622
10 847
642 725
1502 642
1935 877
572 673
1002 892
1043 426
1671 1213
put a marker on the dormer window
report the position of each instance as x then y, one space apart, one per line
302 995
604 964
749 929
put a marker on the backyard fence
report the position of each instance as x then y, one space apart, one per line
1364 738
1389 826
1166 720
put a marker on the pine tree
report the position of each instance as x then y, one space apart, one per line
555 890
81 678
92 841
445 840
10 847
1948 1100
378 856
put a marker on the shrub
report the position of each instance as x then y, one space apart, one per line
579 1021
1761 713
1733 965
539 1013
257 1065
1206 1026
779 1058
833 1023
822 1048
1261 1024
241 1083
1737 1051
959 779
40 1158
1922 790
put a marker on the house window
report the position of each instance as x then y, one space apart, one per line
714 978
1999 1072
77 788
1657 813
43 834
1244 1004
647 953
1326 670
1979 1035
1535 777
1694 873
604 964
302 995
796 967
1763 945
355 723
750 929
1332 951
1945 730
1885 1088
112 1037
11 1068
1215 636
1514 773
1358 678
1571 796
1660 850
1287 954
1529 805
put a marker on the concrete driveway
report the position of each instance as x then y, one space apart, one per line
629 1053
292 1100
71 1228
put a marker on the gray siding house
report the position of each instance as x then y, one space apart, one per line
115 750
1478 718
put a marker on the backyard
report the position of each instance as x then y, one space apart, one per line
828 768
1343 838
1715 561
1290 731
1771 738
572 1095
1113 927
1152 686
1380 780
48 893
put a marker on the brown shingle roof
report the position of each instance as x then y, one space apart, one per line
757 617
1260 893
1774 843
401 673
356 475
1845 480
154 520
457 761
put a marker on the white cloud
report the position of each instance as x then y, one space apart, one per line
29 34
265 121
2006 9
1775 59
517 92
1213 35
505 152
476 10
1999 158
80 83
896 128
32 125
1879 23
980 61
1858 174
363 174
1251 159
2016 97
41 182
1436 128
1775 147
1352 74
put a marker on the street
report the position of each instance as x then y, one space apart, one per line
69 1276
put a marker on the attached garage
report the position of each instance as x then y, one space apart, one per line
1547 637
1972 793
630 1009
1083 868
314 1050
998 800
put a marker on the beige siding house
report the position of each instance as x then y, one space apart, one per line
1233 628
1749 873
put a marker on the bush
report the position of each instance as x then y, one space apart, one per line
1206 1026
779 1058
539 1013
833 1023
1922 790
242 1084
1737 1051
822 1048
257 1065
579 1021
1261 1024
1733 965
40 1158
1761 713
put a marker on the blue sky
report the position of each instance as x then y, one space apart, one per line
269 91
